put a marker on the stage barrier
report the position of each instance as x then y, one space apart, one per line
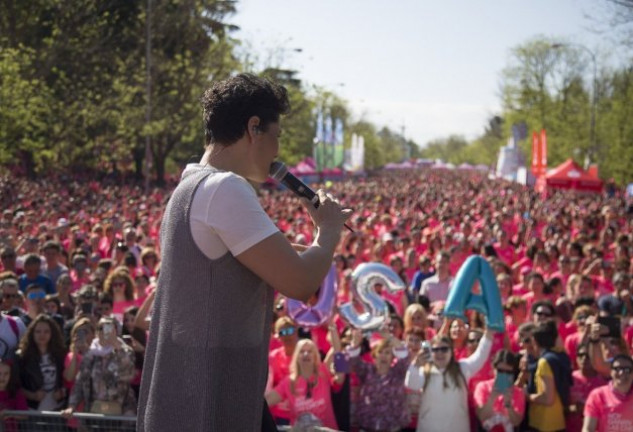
52 421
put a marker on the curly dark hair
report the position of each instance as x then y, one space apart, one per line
56 346
229 104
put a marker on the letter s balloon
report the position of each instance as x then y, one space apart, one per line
375 307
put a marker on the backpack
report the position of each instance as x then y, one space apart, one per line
560 364
13 325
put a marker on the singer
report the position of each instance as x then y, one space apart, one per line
222 256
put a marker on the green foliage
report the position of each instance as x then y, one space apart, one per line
26 110
549 85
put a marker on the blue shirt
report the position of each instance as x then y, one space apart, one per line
43 281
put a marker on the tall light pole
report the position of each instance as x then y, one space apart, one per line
593 145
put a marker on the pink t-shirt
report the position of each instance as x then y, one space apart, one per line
18 403
119 307
613 410
280 366
319 404
578 395
482 393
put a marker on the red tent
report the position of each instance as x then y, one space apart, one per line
569 175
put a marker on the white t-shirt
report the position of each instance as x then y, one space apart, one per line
226 215
8 339
49 373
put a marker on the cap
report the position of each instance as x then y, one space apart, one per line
610 304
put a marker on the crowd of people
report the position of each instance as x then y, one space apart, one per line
80 261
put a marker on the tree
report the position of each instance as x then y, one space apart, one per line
544 87
25 110
298 125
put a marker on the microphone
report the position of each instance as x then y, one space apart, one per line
279 172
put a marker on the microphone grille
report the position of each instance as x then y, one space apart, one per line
278 170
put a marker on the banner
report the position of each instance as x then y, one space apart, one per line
539 153
544 151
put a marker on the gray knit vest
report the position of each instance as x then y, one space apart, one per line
207 357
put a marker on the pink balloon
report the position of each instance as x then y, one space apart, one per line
317 315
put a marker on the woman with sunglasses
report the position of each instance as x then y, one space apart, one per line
443 379
307 389
579 320
610 407
498 401
279 360
585 380
120 286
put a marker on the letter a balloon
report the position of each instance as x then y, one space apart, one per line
462 298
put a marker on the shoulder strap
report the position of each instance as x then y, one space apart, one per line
14 326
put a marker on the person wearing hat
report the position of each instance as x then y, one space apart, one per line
610 407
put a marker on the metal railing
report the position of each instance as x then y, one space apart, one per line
52 421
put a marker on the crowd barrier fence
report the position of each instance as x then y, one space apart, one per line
52 421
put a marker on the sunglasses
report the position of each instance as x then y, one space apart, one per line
443 349
287 331
543 314
36 295
10 296
624 369
472 341
581 317
581 355
526 340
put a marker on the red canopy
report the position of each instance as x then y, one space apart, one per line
569 175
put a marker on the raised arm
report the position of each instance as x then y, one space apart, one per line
471 365
298 275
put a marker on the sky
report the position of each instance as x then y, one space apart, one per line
428 69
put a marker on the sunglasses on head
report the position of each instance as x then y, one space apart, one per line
443 349
287 331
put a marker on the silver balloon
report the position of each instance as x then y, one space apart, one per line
363 279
